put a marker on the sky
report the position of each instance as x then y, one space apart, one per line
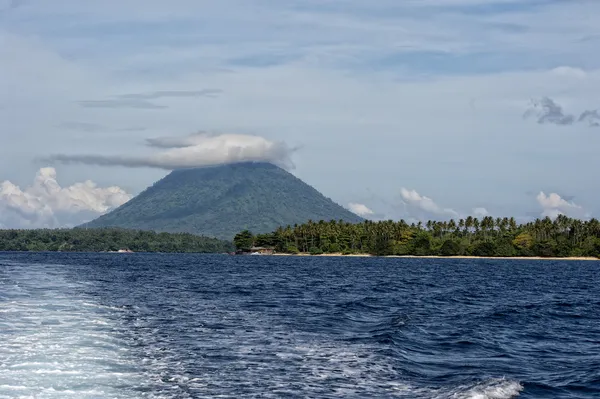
414 109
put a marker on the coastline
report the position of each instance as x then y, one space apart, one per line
578 258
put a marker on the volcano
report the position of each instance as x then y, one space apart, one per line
220 201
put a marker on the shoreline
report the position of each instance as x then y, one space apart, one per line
578 258
340 255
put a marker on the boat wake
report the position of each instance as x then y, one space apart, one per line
54 345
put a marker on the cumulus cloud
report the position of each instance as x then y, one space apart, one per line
480 212
45 204
420 207
196 150
360 209
546 110
592 117
570 72
554 205
420 202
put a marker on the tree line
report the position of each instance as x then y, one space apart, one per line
490 237
107 240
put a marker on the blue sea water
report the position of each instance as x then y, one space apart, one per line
194 326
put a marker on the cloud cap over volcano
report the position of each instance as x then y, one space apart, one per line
196 150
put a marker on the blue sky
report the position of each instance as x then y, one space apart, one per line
425 95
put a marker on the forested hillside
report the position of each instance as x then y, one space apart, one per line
219 201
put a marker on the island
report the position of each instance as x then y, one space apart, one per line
562 237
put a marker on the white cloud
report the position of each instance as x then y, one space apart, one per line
201 149
420 207
570 72
554 205
480 212
420 202
360 209
45 204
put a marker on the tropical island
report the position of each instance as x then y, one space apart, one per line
489 237
108 240
501 237
267 210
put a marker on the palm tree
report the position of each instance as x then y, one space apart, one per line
500 225
452 226
512 224
469 223
593 227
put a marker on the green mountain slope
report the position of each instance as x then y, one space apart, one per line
220 201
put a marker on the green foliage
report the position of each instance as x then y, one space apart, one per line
292 249
489 237
485 248
244 240
450 247
223 200
383 246
595 250
104 240
265 240
334 248
523 241
421 244
505 248
546 248
315 251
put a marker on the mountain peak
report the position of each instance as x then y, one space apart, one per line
222 200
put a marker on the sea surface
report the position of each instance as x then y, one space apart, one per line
195 326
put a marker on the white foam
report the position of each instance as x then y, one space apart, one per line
55 343
54 346
492 389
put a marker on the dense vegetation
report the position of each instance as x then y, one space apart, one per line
500 237
100 240
222 200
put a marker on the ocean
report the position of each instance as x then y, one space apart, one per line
200 326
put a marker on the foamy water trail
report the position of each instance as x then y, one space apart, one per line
62 337
54 344
492 389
